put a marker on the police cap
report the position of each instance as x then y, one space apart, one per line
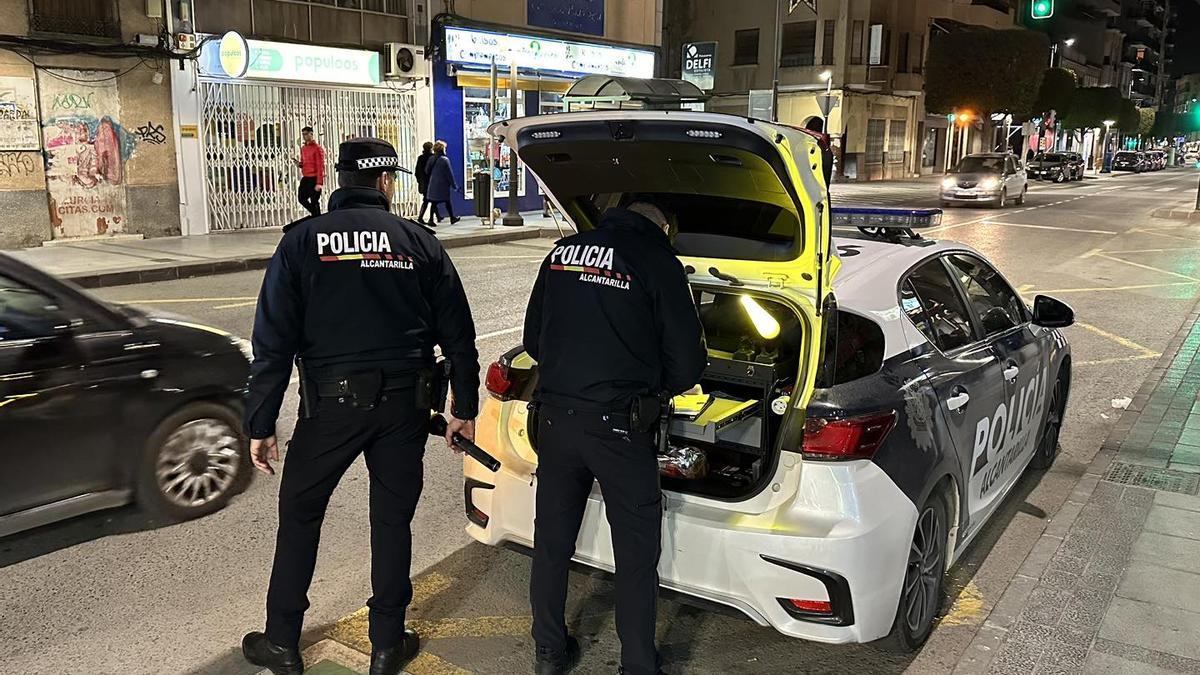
365 154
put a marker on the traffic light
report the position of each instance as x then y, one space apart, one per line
1041 9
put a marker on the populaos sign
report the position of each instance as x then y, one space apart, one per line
235 56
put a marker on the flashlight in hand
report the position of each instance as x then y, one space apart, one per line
437 427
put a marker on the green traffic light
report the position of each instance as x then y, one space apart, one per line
1042 9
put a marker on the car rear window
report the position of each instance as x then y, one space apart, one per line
853 350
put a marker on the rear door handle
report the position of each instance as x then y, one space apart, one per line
1011 371
958 400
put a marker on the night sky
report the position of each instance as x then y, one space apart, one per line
1187 38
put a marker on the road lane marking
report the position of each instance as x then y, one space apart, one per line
1124 342
236 304
1119 359
498 333
1166 189
1145 267
171 301
1099 289
1049 227
1157 250
967 609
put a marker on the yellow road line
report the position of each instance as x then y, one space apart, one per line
1048 227
1162 234
967 609
428 663
1157 250
1146 267
237 304
1124 342
429 586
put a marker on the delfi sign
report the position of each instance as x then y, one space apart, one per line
235 56
700 63
478 48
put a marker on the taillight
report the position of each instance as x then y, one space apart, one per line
499 381
812 606
850 438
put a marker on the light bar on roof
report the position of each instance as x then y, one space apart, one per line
862 216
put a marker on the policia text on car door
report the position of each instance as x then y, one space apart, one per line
360 297
613 326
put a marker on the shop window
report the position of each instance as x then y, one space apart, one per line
477 117
95 18
929 148
896 140
799 44
550 102
745 47
827 41
875 137
856 43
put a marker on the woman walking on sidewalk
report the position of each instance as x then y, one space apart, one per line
441 182
421 173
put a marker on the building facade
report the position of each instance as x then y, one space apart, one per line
86 148
553 43
1187 93
1149 41
868 54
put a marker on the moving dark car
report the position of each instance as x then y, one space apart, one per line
102 405
1056 166
1129 160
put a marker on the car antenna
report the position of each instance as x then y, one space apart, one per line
733 281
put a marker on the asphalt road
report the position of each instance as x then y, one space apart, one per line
117 593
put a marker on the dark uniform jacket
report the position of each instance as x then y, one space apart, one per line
358 288
611 316
421 171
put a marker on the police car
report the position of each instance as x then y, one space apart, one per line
884 391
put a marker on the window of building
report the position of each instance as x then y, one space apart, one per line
902 54
929 148
550 102
827 42
745 47
95 18
799 44
876 130
477 118
895 144
856 43
919 60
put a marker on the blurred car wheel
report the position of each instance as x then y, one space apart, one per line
196 459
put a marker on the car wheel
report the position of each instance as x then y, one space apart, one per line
194 461
1021 200
1060 176
1047 449
924 574
1001 200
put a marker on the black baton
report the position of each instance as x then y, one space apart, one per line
437 427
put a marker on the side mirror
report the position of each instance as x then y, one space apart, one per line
1051 312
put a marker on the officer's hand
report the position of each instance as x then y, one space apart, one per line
317 188
466 428
263 451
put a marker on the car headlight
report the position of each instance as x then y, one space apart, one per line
989 184
948 183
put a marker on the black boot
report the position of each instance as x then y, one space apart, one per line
260 651
557 663
389 661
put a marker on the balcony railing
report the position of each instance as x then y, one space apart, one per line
93 18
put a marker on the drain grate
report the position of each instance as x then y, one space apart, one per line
1166 480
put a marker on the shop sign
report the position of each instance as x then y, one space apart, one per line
478 48
699 63
236 57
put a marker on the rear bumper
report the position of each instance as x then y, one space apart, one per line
843 538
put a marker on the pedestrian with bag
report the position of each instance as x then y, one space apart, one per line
359 298
612 347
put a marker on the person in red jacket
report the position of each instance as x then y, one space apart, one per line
312 172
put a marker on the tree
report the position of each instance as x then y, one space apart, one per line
1128 118
1057 91
1146 124
985 71
1091 106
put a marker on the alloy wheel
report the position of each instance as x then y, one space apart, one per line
1048 445
198 462
922 579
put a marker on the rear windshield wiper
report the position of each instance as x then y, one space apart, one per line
733 281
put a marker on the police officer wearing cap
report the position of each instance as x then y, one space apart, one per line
614 329
358 298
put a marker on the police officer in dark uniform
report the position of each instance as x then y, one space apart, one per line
614 329
358 297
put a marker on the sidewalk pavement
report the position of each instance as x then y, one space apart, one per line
1113 585
121 260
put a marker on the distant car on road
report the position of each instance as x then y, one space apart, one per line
102 405
1157 159
1056 166
991 178
1129 160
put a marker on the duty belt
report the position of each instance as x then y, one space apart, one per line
342 387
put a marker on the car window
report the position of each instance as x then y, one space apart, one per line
932 302
993 301
853 349
26 312
977 164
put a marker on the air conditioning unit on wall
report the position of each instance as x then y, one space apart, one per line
405 62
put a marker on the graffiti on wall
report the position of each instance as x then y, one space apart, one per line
151 133
86 150
17 164
18 114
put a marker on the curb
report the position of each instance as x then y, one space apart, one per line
189 269
979 654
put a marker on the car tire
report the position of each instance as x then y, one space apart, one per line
924 578
196 459
1020 201
1047 448
1060 177
1002 200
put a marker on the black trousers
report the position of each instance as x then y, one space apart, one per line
575 449
436 215
392 437
308 195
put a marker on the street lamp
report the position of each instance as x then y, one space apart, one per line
826 76
1104 145
1054 49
